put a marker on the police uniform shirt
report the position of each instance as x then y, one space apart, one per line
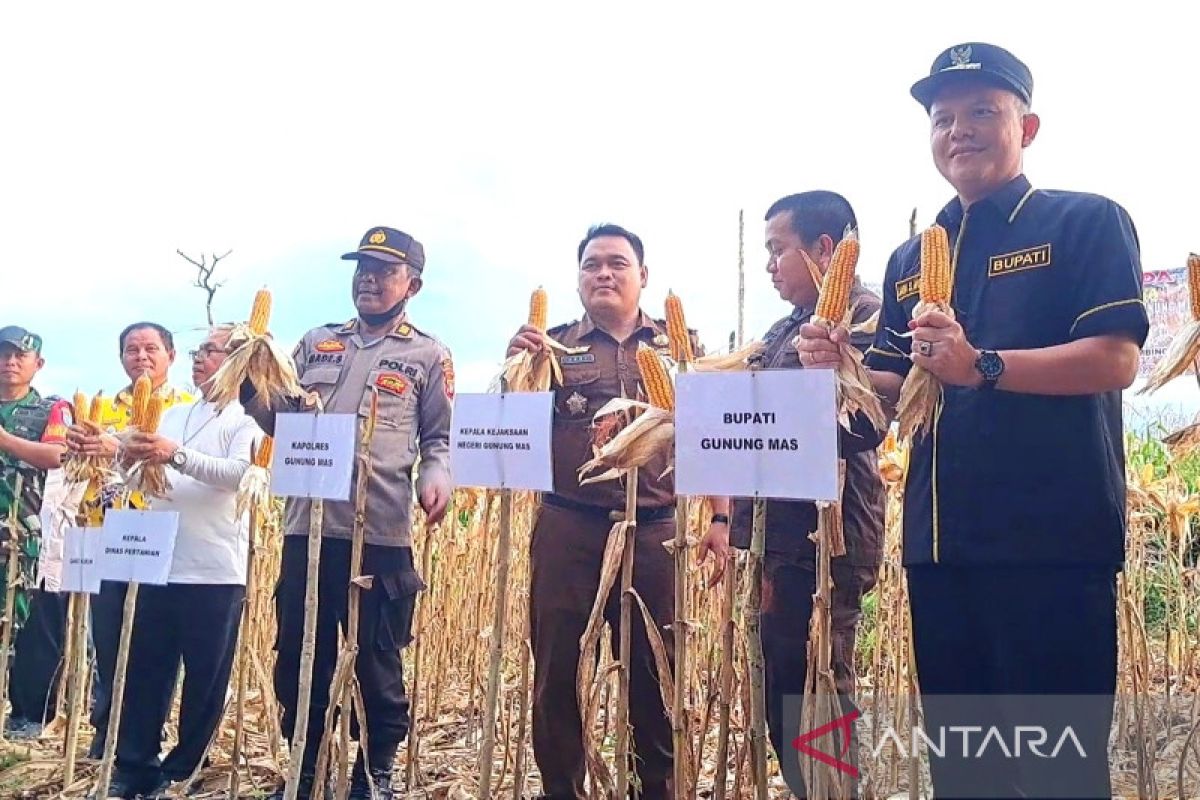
414 376
607 370
1004 477
789 522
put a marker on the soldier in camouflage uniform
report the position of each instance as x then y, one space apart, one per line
341 364
33 433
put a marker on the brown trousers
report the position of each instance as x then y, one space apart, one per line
567 551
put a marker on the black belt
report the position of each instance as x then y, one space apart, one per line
614 515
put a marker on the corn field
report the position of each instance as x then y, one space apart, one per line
447 665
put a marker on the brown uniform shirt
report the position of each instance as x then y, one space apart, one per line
608 369
789 522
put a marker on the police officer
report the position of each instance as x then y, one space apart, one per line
573 526
33 432
813 223
1014 512
342 365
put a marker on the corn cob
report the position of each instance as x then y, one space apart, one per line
141 397
935 266
152 415
1193 263
659 389
80 406
96 409
677 331
538 305
260 312
835 287
262 458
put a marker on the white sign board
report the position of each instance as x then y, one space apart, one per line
82 548
502 441
138 545
763 433
314 455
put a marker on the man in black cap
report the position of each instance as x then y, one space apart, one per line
1014 512
33 438
342 364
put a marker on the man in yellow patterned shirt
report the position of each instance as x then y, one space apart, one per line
146 348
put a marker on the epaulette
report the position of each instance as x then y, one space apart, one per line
563 327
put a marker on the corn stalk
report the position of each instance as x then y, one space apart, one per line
13 549
623 749
504 555
243 667
76 673
756 664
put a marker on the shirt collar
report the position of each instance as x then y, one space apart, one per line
587 327
1005 202
402 328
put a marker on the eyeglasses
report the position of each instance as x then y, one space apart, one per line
206 351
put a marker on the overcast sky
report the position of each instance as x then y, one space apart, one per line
497 132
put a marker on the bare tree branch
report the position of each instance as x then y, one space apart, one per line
204 277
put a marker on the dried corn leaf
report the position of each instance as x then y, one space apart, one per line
1180 354
260 359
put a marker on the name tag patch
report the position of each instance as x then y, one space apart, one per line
392 383
908 287
579 358
1019 261
326 358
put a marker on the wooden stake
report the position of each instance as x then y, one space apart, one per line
758 695
623 749
118 691
504 556
308 648
77 669
679 629
354 600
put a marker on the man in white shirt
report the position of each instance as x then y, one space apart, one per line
194 618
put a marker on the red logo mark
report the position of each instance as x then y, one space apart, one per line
843 724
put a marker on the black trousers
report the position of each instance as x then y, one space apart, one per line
37 663
1002 647
198 625
788 585
384 627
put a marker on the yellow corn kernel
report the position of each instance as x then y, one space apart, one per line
659 390
677 331
1194 283
262 457
80 406
935 265
141 397
839 278
97 408
538 305
260 312
152 415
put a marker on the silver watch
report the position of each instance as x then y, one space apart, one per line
178 458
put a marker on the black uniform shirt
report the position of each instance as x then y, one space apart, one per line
1007 478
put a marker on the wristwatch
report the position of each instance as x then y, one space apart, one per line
719 518
990 365
178 459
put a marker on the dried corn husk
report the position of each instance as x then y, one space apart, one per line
534 372
649 434
1181 354
255 355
